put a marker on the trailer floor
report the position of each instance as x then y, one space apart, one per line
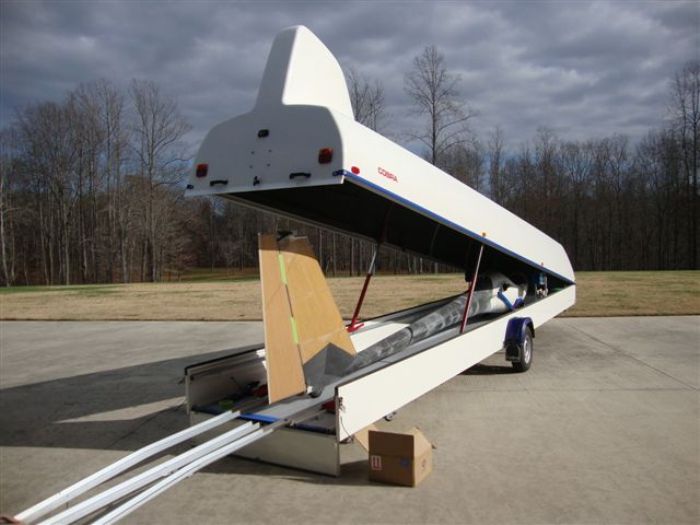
603 428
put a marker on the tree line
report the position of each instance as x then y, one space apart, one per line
91 187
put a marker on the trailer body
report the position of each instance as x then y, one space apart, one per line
369 186
300 153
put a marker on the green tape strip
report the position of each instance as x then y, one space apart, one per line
283 271
295 334
283 275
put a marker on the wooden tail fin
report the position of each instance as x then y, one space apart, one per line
300 316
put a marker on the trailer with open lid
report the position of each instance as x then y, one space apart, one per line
300 153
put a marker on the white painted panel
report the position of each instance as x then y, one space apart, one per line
234 153
288 447
297 449
373 396
301 70
304 103
401 175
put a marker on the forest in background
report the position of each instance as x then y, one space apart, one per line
91 188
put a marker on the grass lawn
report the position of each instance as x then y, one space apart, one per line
220 296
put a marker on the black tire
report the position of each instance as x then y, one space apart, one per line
526 355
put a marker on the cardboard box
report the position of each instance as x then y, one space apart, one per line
399 458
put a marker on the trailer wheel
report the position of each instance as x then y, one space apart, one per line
525 353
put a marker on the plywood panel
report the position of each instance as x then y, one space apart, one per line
318 320
285 376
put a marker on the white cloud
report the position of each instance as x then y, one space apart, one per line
583 69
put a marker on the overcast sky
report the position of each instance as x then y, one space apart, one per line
583 69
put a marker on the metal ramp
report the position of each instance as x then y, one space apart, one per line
160 477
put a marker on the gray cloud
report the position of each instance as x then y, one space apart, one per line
583 69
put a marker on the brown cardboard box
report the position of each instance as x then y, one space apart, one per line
399 458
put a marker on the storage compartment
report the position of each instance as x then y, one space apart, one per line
236 382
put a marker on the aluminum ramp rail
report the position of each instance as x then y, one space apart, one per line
63 497
185 472
173 470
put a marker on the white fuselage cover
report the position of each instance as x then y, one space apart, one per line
303 102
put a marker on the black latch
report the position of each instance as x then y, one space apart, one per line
299 174
190 187
256 181
263 133
222 182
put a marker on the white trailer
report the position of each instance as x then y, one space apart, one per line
300 153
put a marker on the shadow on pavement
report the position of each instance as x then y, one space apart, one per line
354 473
47 414
488 370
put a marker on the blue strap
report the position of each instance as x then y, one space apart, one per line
261 418
505 300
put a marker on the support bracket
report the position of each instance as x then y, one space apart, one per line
470 292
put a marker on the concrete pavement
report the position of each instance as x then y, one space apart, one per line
603 429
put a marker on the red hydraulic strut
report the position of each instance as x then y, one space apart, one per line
470 292
370 272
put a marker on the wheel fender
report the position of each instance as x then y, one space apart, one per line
515 335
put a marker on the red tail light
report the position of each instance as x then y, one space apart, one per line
202 170
325 155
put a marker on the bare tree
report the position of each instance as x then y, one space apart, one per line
367 99
84 104
434 92
496 161
47 132
5 211
112 115
465 162
158 129
657 161
576 161
685 112
545 146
